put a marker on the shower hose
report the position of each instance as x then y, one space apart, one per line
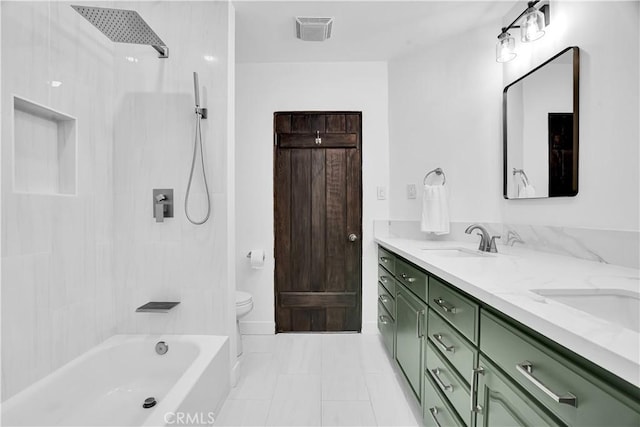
197 142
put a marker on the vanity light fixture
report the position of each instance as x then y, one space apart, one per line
532 23
506 47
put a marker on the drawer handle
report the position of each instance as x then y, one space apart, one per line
407 278
526 369
383 299
419 315
385 259
443 305
443 346
436 376
474 389
382 320
384 279
433 412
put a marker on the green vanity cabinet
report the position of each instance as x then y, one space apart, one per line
410 320
570 392
387 300
452 347
501 403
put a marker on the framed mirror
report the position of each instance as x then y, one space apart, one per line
540 130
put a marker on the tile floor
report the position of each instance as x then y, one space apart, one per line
318 379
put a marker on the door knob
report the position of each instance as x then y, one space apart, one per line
353 237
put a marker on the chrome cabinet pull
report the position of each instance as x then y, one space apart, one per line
443 346
384 279
419 315
383 299
434 411
526 369
443 305
474 389
382 320
407 278
385 259
436 376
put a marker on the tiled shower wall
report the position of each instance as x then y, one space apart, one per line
153 139
74 268
58 298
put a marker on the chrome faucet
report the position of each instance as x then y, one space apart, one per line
487 243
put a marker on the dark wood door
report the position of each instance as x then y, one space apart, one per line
318 214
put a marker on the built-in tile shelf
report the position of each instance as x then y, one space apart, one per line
44 149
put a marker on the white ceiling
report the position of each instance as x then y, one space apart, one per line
362 30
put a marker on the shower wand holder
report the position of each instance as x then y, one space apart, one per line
202 112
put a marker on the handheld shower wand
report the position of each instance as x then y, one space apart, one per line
196 89
201 113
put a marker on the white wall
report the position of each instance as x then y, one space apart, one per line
609 181
58 298
445 111
261 90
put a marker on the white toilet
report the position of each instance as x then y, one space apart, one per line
244 304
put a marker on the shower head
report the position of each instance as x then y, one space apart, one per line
123 26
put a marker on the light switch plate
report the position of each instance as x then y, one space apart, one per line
411 191
382 193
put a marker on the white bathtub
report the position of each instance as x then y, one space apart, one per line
108 385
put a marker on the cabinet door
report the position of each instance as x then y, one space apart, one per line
502 404
410 315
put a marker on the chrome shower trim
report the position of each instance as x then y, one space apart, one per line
123 26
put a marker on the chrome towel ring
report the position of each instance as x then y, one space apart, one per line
438 172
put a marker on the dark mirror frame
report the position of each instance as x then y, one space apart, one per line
576 116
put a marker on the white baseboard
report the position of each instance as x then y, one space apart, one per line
370 328
249 327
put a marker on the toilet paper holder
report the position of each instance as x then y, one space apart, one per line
249 255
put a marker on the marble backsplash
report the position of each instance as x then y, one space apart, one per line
607 246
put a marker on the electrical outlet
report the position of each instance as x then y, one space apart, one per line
411 191
382 193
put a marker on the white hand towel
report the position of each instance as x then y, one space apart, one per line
435 209
529 191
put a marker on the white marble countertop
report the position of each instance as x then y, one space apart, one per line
505 281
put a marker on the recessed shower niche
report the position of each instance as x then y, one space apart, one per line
44 149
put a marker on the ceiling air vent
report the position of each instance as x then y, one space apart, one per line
313 29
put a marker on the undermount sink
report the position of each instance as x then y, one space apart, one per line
456 252
618 306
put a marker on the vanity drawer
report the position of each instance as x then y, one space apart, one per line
461 312
549 377
451 345
436 410
387 300
414 279
386 259
386 326
386 279
449 383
